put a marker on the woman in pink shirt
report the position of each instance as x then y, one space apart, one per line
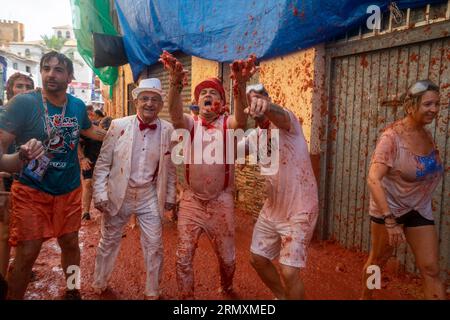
404 171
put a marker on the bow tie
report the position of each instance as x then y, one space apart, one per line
207 125
143 125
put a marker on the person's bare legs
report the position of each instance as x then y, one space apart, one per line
4 236
268 274
70 251
424 243
380 252
19 275
87 195
293 284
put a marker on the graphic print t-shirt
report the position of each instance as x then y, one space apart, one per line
410 180
25 118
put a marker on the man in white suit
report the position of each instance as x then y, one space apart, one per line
134 174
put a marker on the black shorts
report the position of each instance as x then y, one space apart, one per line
87 174
410 219
7 182
3 288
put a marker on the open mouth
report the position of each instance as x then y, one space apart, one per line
208 103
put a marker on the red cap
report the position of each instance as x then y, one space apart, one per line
210 83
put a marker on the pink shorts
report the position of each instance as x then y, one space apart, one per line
287 239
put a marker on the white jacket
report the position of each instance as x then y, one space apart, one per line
112 170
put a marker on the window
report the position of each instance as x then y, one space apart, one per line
28 69
67 34
27 52
59 34
15 66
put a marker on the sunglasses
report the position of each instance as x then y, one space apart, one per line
257 88
422 86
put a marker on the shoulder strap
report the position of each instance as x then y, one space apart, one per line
227 166
186 166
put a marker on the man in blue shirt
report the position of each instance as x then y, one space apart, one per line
46 199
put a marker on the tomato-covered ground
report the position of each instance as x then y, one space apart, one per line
332 272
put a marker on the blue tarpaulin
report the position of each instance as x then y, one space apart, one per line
232 29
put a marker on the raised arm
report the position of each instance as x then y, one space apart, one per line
171 181
177 77
241 72
261 107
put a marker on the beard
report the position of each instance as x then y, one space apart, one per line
55 86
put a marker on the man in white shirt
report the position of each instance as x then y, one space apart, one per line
134 174
287 220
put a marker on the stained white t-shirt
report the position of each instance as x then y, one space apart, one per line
292 189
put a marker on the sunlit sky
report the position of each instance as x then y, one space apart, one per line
38 16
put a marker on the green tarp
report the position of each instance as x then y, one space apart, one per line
90 16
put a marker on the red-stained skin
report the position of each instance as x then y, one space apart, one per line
246 66
167 59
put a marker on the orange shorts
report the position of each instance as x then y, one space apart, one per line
39 215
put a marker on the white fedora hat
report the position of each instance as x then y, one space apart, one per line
151 84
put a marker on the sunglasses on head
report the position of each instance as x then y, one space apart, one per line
257 88
422 86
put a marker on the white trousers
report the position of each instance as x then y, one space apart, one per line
142 202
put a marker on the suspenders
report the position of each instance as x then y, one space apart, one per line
227 166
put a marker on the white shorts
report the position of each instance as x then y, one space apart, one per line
287 239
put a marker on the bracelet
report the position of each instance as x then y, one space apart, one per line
390 226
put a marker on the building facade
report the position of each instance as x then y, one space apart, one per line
11 63
82 86
11 31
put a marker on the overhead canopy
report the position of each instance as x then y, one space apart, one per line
88 17
233 29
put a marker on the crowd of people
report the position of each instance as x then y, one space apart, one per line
63 155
